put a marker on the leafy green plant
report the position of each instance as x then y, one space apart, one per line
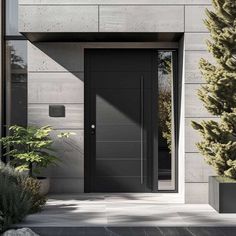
218 95
30 149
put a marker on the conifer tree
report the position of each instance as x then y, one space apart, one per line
218 145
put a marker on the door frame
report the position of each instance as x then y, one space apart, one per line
88 152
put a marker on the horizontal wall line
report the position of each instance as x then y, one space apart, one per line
202 117
56 177
49 103
196 50
206 117
116 4
198 83
198 32
58 129
57 4
51 71
192 152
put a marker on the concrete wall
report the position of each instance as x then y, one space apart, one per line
56 72
196 170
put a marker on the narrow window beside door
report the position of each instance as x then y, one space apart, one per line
166 127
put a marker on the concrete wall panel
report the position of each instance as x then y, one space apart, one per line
196 169
38 115
194 16
63 87
58 18
196 41
193 105
141 19
192 72
196 193
191 135
55 57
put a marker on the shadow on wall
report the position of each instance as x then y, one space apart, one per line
69 57
56 73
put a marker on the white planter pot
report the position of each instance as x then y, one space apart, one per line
44 185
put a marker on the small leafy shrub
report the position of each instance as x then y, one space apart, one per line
30 149
15 202
33 187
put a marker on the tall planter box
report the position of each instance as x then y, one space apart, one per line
222 195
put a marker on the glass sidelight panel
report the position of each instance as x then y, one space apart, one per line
16 82
12 18
166 127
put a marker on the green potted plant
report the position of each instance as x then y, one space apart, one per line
218 145
30 149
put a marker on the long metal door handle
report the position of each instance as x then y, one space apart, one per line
142 126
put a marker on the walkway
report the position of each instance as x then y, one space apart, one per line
124 211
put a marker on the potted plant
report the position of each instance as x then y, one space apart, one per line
218 145
30 149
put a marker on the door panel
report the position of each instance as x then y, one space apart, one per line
120 60
120 149
120 87
117 133
117 167
119 79
113 107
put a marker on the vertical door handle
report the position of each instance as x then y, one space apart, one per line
142 126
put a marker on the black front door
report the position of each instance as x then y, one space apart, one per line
118 148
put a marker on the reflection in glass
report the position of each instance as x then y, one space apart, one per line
166 158
12 17
16 82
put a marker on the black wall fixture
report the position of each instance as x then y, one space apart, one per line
57 111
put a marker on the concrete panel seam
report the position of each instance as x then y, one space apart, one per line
191 83
47 103
98 18
195 50
184 23
51 71
67 177
199 117
113 5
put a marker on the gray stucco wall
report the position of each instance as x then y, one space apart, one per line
56 71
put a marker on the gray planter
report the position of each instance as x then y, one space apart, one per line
222 195
44 185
